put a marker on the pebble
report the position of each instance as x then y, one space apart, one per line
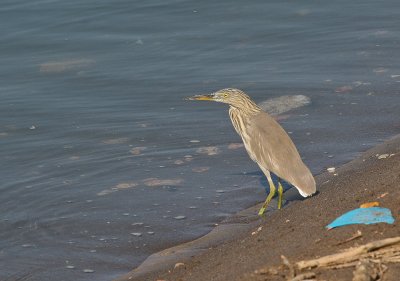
383 156
331 169
70 267
150 232
180 217
220 191
87 270
137 234
194 141
179 264
137 223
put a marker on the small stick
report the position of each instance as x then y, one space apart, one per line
289 265
304 276
355 236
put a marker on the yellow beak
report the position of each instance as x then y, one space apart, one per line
201 97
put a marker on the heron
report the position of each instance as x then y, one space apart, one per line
266 142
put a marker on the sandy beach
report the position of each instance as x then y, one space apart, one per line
246 247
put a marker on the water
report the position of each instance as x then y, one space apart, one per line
101 158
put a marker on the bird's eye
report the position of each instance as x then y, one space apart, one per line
225 95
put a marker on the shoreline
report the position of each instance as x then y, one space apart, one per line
197 259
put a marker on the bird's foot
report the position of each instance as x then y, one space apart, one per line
261 211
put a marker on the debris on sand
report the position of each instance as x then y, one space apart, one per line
368 261
384 156
363 216
178 264
369 204
331 169
357 235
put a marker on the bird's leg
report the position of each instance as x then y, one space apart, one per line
271 194
280 194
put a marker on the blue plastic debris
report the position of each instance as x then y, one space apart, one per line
363 216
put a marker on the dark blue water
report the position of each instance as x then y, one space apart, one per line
104 163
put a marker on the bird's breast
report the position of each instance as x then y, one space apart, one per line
242 125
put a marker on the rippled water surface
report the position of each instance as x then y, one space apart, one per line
104 163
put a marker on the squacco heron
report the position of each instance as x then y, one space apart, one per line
266 142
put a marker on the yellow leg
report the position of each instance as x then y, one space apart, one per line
280 194
271 194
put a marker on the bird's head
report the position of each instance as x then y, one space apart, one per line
233 97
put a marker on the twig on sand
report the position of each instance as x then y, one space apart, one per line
304 276
355 236
286 262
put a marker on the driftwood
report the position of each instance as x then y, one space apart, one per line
368 261
354 254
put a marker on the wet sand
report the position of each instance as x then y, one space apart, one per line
245 244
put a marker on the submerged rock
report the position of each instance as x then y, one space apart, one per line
283 104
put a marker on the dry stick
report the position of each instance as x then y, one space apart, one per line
286 262
304 276
380 256
349 255
355 236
